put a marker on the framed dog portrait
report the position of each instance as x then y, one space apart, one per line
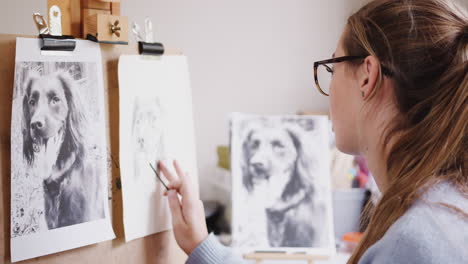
281 190
59 197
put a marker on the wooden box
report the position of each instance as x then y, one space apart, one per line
96 4
86 13
100 26
115 9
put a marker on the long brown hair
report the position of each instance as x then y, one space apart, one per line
424 43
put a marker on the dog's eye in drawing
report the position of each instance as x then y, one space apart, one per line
255 144
278 148
277 145
55 99
32 102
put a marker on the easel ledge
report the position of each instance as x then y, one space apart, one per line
260 257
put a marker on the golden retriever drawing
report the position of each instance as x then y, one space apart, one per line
54 145
275 158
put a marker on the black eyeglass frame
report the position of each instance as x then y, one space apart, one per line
385 70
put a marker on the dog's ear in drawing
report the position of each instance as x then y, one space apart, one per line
247 177
28 141
75 125
302 177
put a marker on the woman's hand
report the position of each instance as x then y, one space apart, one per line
188 215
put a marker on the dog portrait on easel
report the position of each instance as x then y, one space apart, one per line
56 146
278 173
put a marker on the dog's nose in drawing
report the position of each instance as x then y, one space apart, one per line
37 125
258 167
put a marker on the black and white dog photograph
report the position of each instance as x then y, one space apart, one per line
57 177
280 181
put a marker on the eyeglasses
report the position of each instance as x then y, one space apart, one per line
325 72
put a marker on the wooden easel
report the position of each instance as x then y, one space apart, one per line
260 257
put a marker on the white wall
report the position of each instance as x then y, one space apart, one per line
244 55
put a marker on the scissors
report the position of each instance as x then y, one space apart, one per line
159 178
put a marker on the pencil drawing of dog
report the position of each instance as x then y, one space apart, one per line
147 133
274 157
54 145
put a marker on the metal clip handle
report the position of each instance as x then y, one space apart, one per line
41 24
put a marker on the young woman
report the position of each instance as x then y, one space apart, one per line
399 97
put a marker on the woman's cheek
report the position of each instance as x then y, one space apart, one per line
333 103
335 114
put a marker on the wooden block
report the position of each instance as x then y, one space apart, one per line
86 14
65 9
115 9
95 4
75 18
99 25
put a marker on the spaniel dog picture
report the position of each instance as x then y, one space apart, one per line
57 178
59 154
281 185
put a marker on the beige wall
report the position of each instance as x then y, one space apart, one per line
244 55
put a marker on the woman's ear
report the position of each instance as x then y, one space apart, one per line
369 75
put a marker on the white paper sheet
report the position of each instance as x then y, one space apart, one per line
59 196
281 168
156 123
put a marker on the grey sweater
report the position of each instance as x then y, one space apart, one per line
426 233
